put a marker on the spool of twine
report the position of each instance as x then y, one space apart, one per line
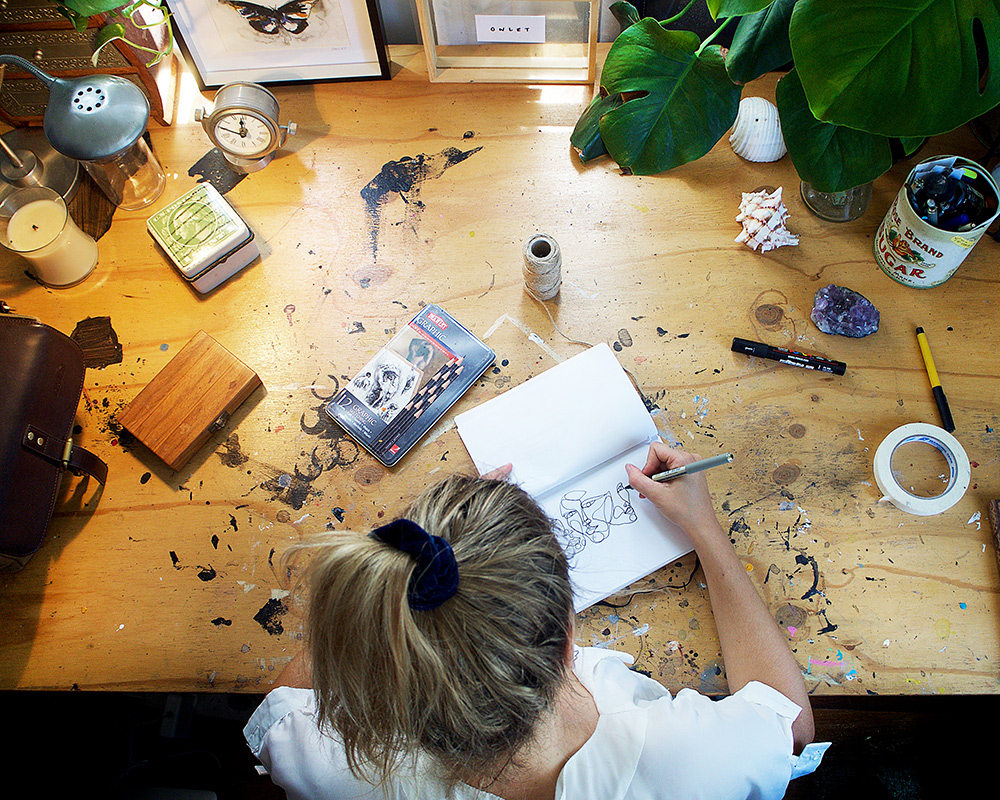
542 267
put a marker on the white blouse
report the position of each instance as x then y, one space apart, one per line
648 745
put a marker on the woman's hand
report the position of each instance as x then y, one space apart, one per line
753 646
498 474
685 501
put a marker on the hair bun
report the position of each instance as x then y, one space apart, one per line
435 580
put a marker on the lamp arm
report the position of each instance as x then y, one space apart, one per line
27 66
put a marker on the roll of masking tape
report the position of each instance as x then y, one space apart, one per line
953 452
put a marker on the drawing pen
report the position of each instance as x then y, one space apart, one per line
942 402
694 466
780 354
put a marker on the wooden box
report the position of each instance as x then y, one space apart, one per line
189 399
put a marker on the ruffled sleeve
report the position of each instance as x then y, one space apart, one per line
284 736
740 746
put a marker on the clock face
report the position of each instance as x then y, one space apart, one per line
243 134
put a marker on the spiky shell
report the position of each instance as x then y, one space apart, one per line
756 133
762 215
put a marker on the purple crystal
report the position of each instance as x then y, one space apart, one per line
844 312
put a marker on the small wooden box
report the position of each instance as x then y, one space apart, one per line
189 399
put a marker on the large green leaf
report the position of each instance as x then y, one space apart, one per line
830 157
760 42
586 136
625 13
106 35
679 98
88 8
900 68
735 8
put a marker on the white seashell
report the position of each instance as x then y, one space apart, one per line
763 216
756 133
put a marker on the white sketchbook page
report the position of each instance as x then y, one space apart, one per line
560 424
569 433
611 536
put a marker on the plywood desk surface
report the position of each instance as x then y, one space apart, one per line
170 581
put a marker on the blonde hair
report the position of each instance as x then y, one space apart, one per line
466 682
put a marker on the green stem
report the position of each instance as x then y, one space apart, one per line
715 33
680 14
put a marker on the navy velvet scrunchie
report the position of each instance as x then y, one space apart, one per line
435 579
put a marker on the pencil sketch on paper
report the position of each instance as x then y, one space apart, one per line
587 518
386 384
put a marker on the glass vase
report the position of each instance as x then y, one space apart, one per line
837 206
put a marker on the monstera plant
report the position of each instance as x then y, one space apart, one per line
869 81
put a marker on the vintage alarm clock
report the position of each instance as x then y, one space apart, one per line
244 125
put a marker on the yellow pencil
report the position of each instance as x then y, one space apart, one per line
942 402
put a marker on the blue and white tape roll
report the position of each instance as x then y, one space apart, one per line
953 452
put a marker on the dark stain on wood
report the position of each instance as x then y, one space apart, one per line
214 169
98 341
404 179
269 616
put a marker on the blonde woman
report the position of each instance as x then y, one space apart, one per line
440 663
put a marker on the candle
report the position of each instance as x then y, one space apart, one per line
39 228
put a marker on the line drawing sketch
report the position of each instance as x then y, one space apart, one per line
386 384
589 518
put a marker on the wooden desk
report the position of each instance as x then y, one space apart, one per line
171 581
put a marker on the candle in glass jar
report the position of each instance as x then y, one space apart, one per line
43 232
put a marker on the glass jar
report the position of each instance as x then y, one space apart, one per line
837 206
133 179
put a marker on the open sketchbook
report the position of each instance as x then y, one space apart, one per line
569 433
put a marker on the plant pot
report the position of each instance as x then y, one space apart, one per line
837 206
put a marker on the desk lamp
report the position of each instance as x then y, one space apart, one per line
99 120
27 159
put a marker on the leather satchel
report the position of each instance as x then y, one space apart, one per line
41 381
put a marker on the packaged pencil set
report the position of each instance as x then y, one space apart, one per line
409 384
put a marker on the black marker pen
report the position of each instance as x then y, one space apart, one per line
784 356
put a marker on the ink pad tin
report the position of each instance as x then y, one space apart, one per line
204 237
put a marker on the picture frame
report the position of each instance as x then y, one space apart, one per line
271 41
510 41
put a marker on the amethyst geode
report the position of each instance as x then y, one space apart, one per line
844 312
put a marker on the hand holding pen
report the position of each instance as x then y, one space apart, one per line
685 502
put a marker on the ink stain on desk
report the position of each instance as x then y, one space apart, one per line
368 276
404 178
98 341
291 490
269 616
231 454
806 560
214 169
624 340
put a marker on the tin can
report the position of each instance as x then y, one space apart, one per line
913 252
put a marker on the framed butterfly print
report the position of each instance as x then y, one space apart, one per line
278 41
